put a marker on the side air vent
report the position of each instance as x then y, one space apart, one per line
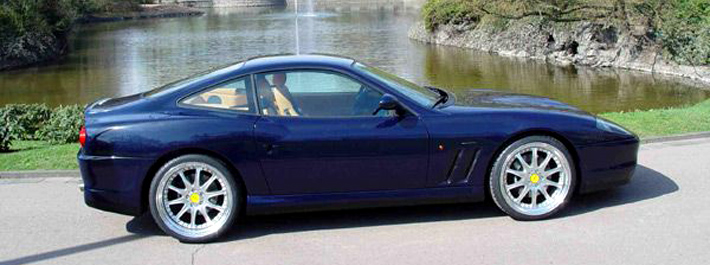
455 164
471 166
462 166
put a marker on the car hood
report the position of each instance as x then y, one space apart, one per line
497 99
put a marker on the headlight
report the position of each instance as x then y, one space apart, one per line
611 127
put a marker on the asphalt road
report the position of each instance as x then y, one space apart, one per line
661 217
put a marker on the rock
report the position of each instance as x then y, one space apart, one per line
566 44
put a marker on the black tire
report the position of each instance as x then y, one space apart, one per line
497 193
233 186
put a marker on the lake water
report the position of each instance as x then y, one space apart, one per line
121 58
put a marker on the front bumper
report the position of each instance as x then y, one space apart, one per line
608 164
114 184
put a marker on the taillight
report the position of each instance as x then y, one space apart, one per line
82 136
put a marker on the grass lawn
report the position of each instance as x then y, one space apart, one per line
662 122
33 155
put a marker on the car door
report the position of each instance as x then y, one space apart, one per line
331 141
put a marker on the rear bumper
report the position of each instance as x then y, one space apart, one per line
112 183
116 202
607 165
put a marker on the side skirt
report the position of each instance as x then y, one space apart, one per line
272 204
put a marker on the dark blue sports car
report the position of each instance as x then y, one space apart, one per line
294 133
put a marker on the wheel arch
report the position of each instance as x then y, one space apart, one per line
165 158
535 132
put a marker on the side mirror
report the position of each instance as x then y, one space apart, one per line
388 102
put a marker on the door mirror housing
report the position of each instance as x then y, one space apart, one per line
389 102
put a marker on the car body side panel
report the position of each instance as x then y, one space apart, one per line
470 141
322 155
110 182
458 153
366 199
118 157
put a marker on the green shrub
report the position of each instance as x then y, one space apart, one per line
39 122
21 122
63 125
442 12
7 130
685 31
27 119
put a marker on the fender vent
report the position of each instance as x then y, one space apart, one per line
454 166
462 166
471 166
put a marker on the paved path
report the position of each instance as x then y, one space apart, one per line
662 217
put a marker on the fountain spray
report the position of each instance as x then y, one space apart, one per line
298 49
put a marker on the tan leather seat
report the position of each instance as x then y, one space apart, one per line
267 103
273 99
284 107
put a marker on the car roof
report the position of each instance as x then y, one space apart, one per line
261 64
289 60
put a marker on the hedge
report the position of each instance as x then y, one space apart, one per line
39 122
63 126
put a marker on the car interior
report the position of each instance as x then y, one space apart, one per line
314 94
232 95
316 97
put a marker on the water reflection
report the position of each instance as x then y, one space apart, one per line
121 58
596 90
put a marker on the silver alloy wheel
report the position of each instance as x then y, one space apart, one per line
536 178
194 199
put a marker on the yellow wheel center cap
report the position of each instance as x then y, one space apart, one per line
195 198
534 178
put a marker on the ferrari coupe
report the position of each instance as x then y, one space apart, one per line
291 133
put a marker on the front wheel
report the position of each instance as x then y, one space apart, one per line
533 178
194 198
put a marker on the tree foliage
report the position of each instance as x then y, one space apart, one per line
36 30
681 27
685 32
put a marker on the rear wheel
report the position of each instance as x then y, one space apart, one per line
194 198
533 178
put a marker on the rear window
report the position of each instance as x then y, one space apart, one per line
231 95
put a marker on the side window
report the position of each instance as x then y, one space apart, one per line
312 93
232 95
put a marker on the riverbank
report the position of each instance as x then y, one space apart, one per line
37 32
588 34
576 44
145 11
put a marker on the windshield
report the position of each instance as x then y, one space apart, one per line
417 93
186 81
